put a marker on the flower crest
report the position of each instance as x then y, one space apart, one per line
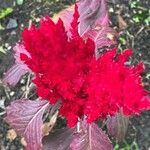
65 68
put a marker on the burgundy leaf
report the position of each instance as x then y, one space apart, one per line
59 140
90 137
92 13
103 37
117 126
14 74
25 116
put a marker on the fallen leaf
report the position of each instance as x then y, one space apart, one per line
122 23
11 134
48 126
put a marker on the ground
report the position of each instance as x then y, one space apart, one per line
134 29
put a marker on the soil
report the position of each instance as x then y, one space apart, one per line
136 35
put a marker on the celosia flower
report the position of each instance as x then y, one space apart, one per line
112 86
60 64
66 67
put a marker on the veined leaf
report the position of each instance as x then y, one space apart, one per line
25 116
117 126
91 137
14 74
59 140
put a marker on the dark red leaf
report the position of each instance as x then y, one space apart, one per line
14 74
117 126
92 13
91 137
25 116
59 140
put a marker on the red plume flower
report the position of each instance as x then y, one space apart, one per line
112 85
65 67
60 64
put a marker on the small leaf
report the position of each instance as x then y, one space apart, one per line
14 74
59 140
117 126
91 137
20 2
122 23
1 27
5 12
2 50
11 134
25 116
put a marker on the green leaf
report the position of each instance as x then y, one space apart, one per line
133 4
1 27
147 21
122 40
19 2
5 12
136 19
2 50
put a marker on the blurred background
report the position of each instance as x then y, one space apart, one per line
131 18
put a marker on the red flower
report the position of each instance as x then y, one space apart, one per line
112 85
60 64
66 68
